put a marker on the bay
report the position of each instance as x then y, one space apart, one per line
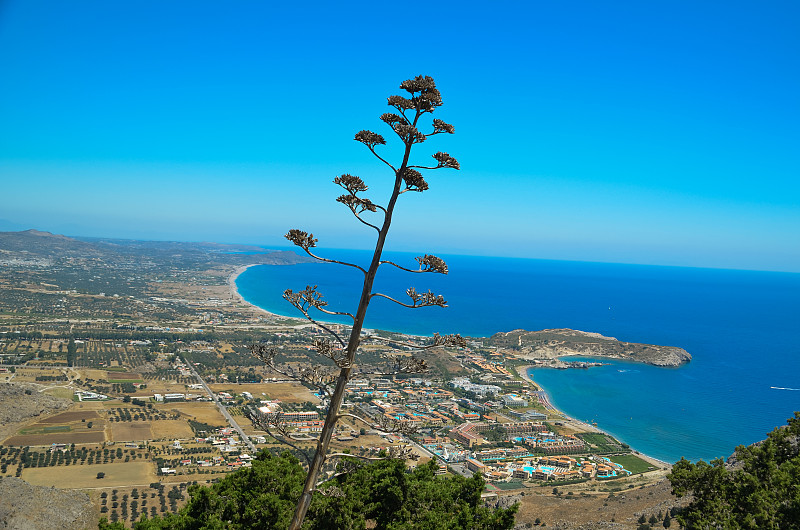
740 326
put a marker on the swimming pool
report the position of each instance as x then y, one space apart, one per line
546 469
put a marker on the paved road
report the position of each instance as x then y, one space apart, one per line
222 408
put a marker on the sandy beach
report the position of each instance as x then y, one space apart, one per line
232 285
236 295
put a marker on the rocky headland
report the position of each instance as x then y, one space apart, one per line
550 344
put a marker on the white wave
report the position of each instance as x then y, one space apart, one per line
784 388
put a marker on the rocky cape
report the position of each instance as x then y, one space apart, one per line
550 344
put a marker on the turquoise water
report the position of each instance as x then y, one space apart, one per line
740 326
530 469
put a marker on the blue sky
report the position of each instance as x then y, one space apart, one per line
636 132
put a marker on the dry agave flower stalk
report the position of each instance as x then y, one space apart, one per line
421 97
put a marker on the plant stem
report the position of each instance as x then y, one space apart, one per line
352 345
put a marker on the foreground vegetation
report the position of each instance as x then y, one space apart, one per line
383 494
759 487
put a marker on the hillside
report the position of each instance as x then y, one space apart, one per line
27 507
21 401
33 246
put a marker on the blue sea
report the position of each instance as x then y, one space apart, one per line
741 327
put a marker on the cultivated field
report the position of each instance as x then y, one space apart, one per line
117 474
85 437
123 377
131 431
65 427
28 375
74 416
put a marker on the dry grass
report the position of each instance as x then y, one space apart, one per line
28 375
117 474
164 387
123 376
171 429
247 425
226 347
60 391
202 411
624 508
287 392
90 373
90 405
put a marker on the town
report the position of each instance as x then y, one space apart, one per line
170 413
139 394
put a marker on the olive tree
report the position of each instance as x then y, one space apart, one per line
421 98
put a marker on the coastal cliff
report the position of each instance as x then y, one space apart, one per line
549 344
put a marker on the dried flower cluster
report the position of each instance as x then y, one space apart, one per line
425 299
424 94
413 180
357 204
441 127
351 183
410 365
446 160
449 340
370 138
264 353
305 299
431 263
337 355
302 239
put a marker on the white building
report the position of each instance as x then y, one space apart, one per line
514 402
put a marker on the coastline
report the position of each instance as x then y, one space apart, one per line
235 291
522 371
237 296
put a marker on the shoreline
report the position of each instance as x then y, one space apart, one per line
231 281
522 371
237 296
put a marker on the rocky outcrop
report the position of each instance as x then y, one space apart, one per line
27 507
550 344
20 401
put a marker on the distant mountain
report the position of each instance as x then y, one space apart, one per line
42 244
29 244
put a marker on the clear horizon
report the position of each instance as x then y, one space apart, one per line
332 252
653 134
